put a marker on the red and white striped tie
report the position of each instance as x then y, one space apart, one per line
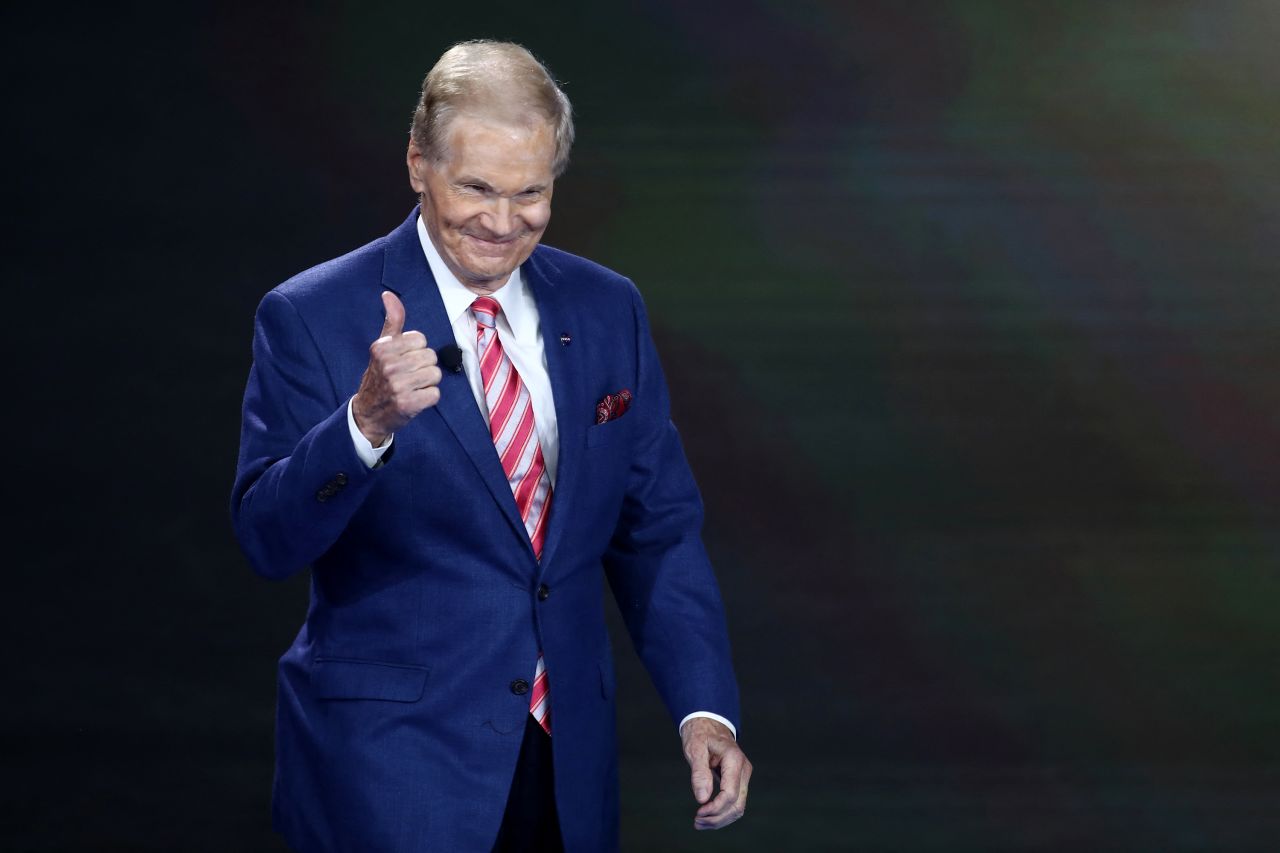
514 437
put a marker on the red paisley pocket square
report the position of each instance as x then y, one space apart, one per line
612 406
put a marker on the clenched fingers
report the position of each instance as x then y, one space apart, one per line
713 753
406 378
393 346
407 362
730 803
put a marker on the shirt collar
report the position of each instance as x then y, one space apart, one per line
515 299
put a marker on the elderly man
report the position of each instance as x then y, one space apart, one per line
461 483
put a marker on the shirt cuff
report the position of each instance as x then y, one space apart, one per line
369 455
719 719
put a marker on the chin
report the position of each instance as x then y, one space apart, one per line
489 272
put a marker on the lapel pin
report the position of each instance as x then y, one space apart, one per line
565 340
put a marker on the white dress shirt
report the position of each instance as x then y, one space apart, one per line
520 332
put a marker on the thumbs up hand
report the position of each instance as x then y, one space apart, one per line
402 378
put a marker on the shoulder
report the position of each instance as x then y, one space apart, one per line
583 280
349 276
325 298
336 286
575 270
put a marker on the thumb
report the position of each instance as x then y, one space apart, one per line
394 322
702 780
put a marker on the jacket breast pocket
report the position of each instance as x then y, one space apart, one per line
341 678
599 435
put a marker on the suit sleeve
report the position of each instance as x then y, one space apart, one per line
656 563
299 479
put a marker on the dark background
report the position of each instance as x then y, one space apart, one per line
969 311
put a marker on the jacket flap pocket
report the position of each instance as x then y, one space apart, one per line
362 679
608 682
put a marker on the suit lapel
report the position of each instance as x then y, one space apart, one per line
555 315
406 272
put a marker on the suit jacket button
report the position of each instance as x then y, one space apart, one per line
324 494
544 592
340 479
519 687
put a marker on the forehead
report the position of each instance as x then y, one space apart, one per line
499 148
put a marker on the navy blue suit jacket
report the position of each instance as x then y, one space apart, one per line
397 725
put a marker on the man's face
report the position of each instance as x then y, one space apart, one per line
487 202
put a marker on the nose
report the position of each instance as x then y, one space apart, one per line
500 220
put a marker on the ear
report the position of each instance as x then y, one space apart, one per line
417 163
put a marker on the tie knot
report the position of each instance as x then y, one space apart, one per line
485 310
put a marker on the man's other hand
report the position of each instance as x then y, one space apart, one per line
401 380
714 755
